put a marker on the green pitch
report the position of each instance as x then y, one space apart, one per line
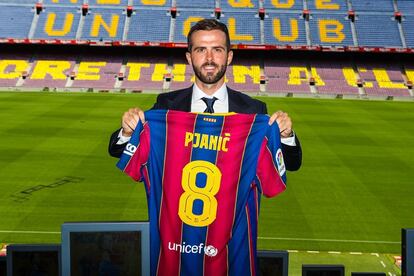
353 193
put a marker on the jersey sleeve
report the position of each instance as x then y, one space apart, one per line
271 170
136 152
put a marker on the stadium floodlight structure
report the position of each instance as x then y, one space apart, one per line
110 247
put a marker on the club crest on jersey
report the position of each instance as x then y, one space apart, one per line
206 141
280 162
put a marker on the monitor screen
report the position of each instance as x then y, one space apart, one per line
323 270
3 265
33 259
105 248
273 263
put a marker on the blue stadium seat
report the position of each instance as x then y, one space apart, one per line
406 6
15 21
377 30
338 29
181 30
96 31
149 25
59 16
372 5
203 4
271 5
93 3
291 36
152 4
333 6
62 3
12 2
237 5
244 27
407 24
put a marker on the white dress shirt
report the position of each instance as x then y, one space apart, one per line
221 105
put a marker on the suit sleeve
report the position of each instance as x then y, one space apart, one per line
136 152
271 169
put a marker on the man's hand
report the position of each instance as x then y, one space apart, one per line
130 120
284 122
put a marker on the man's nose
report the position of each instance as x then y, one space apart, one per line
209 55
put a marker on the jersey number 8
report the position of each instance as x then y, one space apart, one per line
206 194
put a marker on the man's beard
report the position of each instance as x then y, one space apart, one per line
210 78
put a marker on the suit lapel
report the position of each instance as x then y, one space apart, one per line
235 104
183 100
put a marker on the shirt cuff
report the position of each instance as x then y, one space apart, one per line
289 141
122 139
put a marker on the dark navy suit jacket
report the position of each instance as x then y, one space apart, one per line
238 102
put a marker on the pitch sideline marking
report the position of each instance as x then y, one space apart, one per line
262 238
327 240
28 232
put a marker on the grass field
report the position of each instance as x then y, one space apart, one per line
353 193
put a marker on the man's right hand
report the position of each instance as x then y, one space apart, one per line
130 120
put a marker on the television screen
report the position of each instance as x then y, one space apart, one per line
407 251
273 263
33 259
105 248
323 270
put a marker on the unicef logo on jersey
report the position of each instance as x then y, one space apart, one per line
130 149
208 250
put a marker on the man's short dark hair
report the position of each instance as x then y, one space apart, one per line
208 25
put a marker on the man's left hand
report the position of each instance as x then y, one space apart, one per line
284 122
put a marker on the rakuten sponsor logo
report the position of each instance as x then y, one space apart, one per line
209 250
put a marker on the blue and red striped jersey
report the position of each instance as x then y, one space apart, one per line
204 175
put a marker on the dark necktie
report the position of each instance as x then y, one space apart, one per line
209 102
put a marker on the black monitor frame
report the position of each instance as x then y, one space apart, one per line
407 251
275 254
101 227
15 248
321 268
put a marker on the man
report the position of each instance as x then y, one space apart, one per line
209 54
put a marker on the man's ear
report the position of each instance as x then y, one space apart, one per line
188 56
229 57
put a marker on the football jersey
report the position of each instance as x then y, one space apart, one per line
204 175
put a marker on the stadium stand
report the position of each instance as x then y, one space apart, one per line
330 29
143 20
284 29
244 74
382 79
337 6
57 23
377 29
145 73
373 5
103 24
334 78
344 26
15 21
283 78
283 5
202 4
407 23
